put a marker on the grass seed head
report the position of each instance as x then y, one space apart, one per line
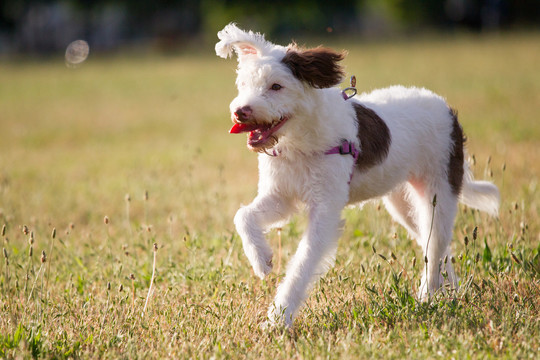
4 230
25 230
120 288
5 253
43 257
155 247
475 233
128 198
413 262
466 240
30 251
53 234
146 195
106 220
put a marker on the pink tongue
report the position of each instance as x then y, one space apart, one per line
240 128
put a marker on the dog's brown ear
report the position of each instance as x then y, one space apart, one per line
319 67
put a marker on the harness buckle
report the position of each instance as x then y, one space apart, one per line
342 150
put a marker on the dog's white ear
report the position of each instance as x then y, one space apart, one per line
245 44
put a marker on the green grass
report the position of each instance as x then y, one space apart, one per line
74 142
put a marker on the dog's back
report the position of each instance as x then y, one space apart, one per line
419 124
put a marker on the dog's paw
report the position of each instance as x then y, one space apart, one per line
271 326
260 258
262 266
279 317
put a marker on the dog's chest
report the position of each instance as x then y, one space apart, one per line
296 178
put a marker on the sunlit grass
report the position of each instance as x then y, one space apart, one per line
76 144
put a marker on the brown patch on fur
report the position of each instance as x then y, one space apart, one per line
455 163
318 67
374 138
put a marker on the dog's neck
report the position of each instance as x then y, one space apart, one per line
317 124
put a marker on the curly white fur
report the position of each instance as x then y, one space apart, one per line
413 171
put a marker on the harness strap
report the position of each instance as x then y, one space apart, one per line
346 148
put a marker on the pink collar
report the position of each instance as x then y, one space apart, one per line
346 148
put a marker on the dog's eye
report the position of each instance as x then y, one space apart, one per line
276 87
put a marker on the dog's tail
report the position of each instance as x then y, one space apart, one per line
481 195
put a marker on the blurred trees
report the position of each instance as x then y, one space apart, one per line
47 25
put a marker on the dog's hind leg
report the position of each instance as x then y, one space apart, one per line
436 206
402 210
253 220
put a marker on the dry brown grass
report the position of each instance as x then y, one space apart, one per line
74 142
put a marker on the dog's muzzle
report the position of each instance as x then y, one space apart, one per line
260 136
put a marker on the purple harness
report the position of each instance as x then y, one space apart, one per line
346 147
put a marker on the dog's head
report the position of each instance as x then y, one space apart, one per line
273 82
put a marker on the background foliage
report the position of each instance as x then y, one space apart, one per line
46 26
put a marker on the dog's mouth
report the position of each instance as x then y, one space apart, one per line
259 134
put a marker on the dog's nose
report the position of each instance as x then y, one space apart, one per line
243 113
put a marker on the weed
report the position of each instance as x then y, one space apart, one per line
143 126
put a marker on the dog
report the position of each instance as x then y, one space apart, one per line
320 149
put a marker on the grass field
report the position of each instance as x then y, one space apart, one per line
100 162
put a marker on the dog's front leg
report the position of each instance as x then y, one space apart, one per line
315 254
253 220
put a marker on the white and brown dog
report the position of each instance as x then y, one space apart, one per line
323 150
